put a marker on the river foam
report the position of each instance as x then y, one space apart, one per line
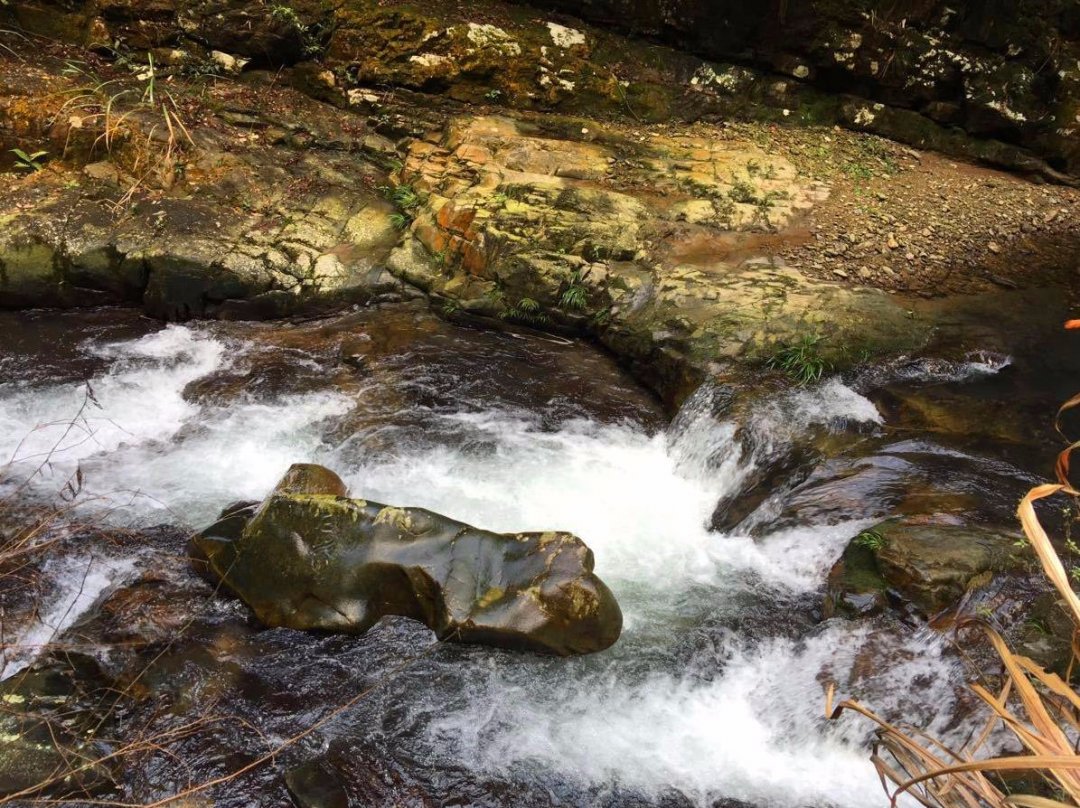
690 701
147 452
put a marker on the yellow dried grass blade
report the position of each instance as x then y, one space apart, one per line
1012 763
1033 529
1031 801
1043 723
1051 681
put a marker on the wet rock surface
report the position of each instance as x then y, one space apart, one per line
930 562
310 558
532 175
932 565
51 722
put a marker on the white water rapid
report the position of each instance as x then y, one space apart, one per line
714 691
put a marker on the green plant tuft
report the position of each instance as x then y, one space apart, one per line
29 162
871 540
801 361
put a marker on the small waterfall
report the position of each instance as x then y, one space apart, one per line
716 688
77 583
747 444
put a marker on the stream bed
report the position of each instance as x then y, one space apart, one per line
714 695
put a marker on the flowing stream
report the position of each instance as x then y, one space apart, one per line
715 692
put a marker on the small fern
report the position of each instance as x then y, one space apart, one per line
576 296
526 311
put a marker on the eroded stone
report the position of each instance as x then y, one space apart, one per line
310 558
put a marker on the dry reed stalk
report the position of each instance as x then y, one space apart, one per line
1039 708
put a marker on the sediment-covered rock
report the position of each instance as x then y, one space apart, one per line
310 558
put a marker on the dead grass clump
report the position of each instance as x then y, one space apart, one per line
139 121
1040 709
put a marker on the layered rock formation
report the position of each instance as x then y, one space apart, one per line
996 80
637 242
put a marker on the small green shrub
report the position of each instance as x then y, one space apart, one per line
574 298
309 35
406 199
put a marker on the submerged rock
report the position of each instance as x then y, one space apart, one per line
315 785
855 587
308 557
48 730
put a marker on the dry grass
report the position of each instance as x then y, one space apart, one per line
137 121
1040 709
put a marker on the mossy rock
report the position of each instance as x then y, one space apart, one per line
309 557
931 563
1047 634
856 587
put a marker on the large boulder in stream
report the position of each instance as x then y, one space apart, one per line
309 557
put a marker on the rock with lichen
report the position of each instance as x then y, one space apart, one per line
637 242
309 557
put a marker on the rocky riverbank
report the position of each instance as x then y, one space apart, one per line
489 162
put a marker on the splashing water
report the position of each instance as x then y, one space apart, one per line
716 688
79 581
145 448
